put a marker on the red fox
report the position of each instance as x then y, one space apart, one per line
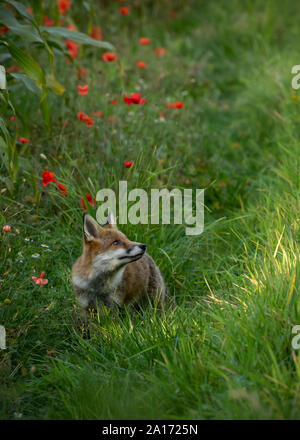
114 270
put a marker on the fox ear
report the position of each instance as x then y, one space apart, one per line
90 228
110 221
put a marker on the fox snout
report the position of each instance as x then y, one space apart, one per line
140 247
134 252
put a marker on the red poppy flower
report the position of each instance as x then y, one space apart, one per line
177 104
71 27
98 113
160 51
62 188
124 10
23 140
112 119
12 118
144 41
141 64
41 280
134 98
13 68
81 73
6 228
3 29
86 119
174 13
30 11
109 56
48 177
89 122
63 6
90 199
73 48
83 90
114 102
48 21
128 163
82 204
97 33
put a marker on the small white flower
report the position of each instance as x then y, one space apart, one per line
18 415
27 239
35 255
44 245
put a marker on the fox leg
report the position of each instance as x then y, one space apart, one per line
85 323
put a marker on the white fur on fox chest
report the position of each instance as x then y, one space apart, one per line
91 287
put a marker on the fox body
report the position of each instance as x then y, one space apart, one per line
113 270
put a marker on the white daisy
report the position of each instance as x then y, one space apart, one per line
18 415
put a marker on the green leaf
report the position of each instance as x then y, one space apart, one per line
4 96
5 132
55 45
78 37
38 11
45 110
5 151
21 9
3 146
26 31
28 82
8 183
7 17
54 85
30 67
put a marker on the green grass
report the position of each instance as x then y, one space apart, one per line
225 353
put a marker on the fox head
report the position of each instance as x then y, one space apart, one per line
105 248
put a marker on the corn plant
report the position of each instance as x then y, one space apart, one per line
24 40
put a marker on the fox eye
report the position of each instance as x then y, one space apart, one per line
116 242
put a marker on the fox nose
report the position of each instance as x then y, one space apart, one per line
142 246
